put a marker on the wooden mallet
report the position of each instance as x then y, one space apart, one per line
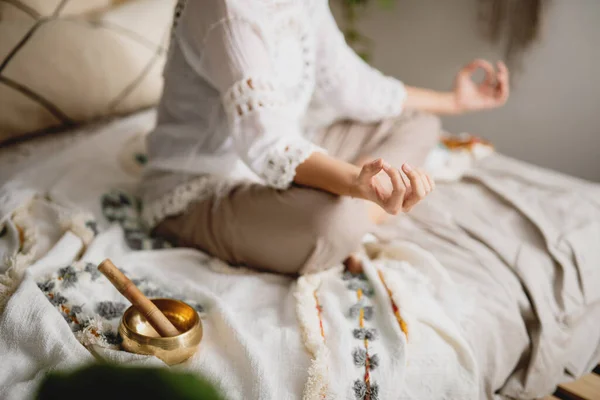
155 317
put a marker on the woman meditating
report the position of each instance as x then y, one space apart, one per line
278 148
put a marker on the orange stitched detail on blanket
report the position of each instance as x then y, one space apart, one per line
401 322
68 314
361 323
319 308
319 313
21 232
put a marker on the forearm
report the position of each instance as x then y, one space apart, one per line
324 172
431 101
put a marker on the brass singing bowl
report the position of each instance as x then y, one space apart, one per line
139 336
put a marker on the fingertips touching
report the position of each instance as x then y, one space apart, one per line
405 180
411 173
416 182
371 169
431 182
395 177
425 181
377 164
503 80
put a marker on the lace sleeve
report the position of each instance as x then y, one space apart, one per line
262 122
266 138
349 84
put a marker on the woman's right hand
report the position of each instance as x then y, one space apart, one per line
405 192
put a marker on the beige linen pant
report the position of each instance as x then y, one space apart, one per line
300 229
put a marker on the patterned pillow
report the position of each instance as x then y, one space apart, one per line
63 62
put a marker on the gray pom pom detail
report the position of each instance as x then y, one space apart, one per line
373 361
110 309
368 313
360 389
68 275
364 333
374 391
359 356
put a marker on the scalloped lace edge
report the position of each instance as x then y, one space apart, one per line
178 200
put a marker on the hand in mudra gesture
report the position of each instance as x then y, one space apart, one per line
408 186
492 92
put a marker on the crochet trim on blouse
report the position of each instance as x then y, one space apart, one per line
280 169
177 201
250 94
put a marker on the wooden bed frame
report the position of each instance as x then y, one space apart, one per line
585 388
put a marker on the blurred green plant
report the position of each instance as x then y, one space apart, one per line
108 381
352 10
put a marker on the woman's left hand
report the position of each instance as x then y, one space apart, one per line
491 93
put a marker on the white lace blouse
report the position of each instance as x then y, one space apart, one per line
246 84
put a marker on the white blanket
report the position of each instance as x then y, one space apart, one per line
329 335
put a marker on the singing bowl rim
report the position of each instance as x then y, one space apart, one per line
166 343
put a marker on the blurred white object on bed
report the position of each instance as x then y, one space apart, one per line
455 155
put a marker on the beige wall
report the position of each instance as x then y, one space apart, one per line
553 116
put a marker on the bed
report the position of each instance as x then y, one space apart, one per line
486 290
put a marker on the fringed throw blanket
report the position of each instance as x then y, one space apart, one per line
378 335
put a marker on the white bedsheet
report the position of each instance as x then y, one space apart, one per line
263 336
